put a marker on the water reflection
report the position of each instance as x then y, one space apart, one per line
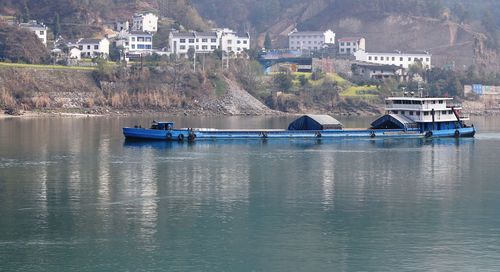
386 204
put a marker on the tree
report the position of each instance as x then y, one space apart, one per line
283 81
267 42
26 12
57 26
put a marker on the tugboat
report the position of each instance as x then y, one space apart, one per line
406 117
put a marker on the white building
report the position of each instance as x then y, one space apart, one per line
350 45
75 53
145 22
231 42
136 41
310 40
122 26
38 28
397 58
91 48
206 42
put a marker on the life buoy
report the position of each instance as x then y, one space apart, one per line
191 137
180 137
169 136
456 134
428 134
372 134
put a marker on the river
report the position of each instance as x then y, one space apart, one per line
75 196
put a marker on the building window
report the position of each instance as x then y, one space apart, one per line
393 58
440 101
348 43
191 40
238 49
213 47
41 32
427 59
133 39
229 41
342 44
244 42
140 39
229 48
197 40
213 40
182 47
381 58
375 58
181 40
342 50
96 47
409 59
401 59
197 47
204 40
133 46
369 58
88 47
204 47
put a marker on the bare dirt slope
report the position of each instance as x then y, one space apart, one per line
236 101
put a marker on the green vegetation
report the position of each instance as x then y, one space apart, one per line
221 86
44 66
366 91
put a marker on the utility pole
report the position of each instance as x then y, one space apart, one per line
194 61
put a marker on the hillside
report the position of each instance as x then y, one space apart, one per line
89 18
456 32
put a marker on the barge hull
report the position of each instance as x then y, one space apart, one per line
203 134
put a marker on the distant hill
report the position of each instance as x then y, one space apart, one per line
459 33
87 17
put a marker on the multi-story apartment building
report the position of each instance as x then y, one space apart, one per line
136 41
310 40
350 45
145 22
206 42
397 58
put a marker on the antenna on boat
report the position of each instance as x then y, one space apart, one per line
420 90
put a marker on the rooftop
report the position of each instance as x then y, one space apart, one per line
350 39
306 33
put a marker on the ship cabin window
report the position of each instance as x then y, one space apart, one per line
395 112
426 113
403 112
440 101
450 112
433 102
418 113
411 112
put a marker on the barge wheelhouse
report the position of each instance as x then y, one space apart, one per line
432 116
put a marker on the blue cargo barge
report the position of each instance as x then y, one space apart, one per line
406 117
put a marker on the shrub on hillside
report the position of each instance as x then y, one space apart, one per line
21 45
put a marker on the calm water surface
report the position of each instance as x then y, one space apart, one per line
75 196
